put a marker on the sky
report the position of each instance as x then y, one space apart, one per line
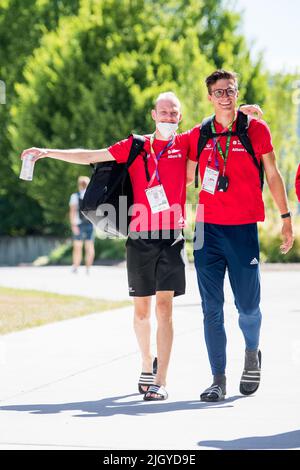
274 27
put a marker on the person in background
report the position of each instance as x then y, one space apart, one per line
82 229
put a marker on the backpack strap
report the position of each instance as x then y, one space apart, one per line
204 137
242 125
146 166
137 146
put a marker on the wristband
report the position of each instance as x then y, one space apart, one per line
286 215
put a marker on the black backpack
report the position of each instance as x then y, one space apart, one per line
241 132
109 194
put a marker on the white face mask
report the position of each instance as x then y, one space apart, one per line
167 129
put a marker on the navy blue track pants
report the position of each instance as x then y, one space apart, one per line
235 248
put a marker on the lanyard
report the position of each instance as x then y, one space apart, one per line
217 143
156 158
213 152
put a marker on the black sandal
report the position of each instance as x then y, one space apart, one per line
213 393
250 379
159 390
147 378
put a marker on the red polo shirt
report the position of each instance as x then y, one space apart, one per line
297 183
172 174
242 203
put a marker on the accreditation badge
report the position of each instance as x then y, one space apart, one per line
210 180
157 199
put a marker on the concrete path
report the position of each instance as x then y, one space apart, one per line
73 384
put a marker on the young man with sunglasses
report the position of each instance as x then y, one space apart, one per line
232 198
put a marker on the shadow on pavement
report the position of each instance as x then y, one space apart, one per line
286 440
112 406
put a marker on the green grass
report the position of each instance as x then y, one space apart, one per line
20 309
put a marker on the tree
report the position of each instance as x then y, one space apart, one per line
90 72
220 39
22 25
92 82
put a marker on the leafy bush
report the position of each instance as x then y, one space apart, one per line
105 249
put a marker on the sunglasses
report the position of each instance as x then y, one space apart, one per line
220 92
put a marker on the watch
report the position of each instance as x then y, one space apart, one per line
286 215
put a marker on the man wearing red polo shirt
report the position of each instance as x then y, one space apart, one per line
232 198
155 263
297 183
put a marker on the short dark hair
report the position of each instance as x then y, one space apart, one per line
219 75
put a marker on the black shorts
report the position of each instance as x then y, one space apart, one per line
155 265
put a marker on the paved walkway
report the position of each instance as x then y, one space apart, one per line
73 384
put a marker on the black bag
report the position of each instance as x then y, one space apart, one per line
109 194
241 132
